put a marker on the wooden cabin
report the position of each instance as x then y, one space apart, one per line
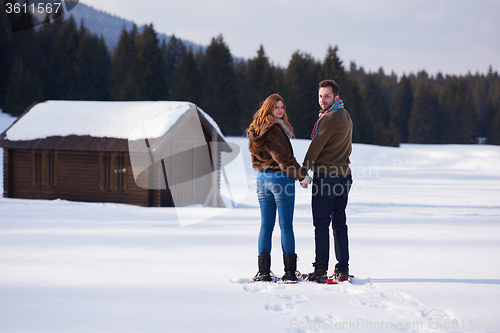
81 151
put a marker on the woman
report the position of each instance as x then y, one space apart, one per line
272 156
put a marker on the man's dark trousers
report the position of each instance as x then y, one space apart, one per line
329 201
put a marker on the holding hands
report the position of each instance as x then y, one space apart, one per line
306 181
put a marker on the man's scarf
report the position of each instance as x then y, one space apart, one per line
337 105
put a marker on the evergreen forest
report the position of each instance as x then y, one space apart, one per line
62 60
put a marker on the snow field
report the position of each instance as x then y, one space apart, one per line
424 228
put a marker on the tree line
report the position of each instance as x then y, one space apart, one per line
62 60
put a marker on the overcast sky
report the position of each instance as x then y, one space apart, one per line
448 36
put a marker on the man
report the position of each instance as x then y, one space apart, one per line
328 157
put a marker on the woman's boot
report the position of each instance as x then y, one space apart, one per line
264 273
290 261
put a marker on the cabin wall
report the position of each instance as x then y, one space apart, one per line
77 177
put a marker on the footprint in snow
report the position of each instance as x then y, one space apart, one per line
280 308
402 305
262 286
241 280
294 298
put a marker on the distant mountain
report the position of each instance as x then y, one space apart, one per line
110 26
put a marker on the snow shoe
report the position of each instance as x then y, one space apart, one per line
319 275
263 277
341 275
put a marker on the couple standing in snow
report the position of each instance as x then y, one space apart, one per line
328 157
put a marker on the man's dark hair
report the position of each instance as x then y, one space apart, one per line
330 83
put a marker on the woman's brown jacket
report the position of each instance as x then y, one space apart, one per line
271 150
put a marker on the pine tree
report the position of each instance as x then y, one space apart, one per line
423 126
362 126
21 86
6 54
92 68
480 97
448 111
350 94
24 40
257 85
62 59
378 112
332 67
402 103
301 79
152 83
124 70
172 54
23 89
278 80
494 109
240 68
19 19
45 43
186 83
219 89
466 114
357 74
388 84
457 112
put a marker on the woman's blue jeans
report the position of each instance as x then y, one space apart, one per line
274 197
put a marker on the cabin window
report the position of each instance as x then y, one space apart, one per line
43 168
36 168
50 168
105 166
113 172
120 171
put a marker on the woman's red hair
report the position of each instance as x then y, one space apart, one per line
264 114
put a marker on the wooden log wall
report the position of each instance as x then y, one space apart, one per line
77 176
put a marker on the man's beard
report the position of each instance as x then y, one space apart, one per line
327 108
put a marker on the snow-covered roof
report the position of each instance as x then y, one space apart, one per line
99 119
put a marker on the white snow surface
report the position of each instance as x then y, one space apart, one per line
99 119
424 228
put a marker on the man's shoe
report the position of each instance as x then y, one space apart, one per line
341 275
319 275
